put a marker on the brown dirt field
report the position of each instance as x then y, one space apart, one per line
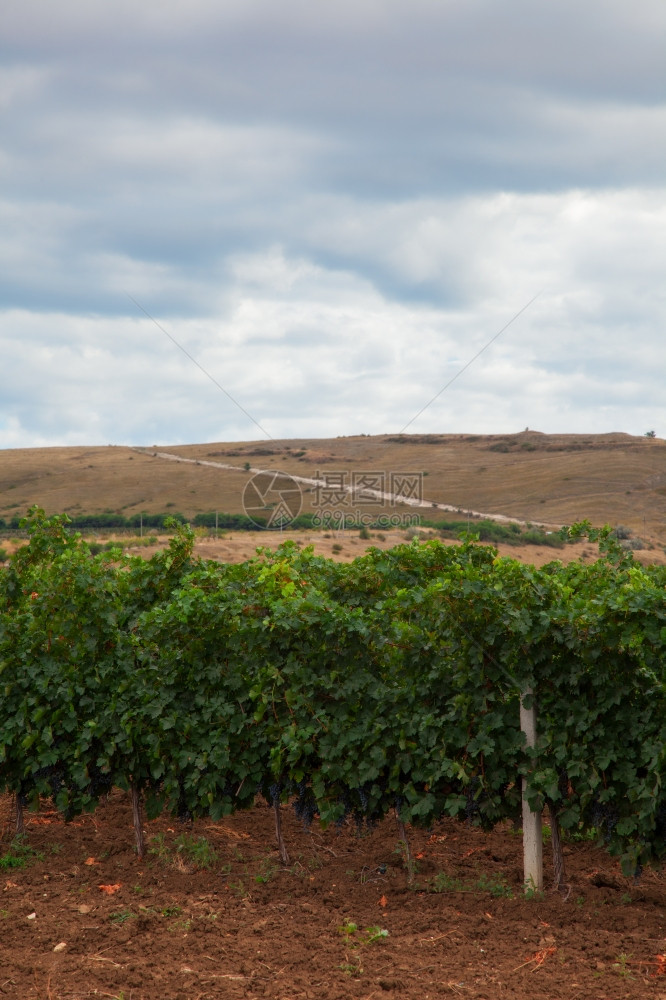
249 927
243 545
344 546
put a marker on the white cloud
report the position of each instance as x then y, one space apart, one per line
333 207
303 344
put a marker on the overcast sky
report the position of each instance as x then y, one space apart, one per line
332 207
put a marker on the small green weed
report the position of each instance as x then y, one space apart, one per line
354 937
374 933
266 872
172 911
496 885
20 854
239 889
531 890
298 869
196 850
445 883
121 916
408 863
181 925
581 834
620 965
348 929
350 969
159 847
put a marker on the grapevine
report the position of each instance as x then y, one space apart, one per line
352 690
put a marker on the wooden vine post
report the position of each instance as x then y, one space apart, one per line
532 841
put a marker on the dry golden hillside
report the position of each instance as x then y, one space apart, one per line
540 478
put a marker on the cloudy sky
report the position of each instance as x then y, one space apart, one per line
331 207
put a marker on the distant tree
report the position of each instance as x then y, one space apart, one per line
650 434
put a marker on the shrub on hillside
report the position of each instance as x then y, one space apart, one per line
632 543
536 537
621 532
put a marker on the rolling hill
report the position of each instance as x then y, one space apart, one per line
539 478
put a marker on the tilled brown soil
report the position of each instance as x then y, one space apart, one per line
85 918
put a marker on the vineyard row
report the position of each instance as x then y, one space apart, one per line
391 683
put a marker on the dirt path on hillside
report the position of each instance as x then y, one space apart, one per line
391 498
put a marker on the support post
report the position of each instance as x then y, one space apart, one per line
532 840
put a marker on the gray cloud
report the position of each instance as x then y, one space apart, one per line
333 207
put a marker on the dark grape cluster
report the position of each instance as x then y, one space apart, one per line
605 818
100 782
305 804
349 809
182 810
55 776
356 804
660 822
563 783
472 808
